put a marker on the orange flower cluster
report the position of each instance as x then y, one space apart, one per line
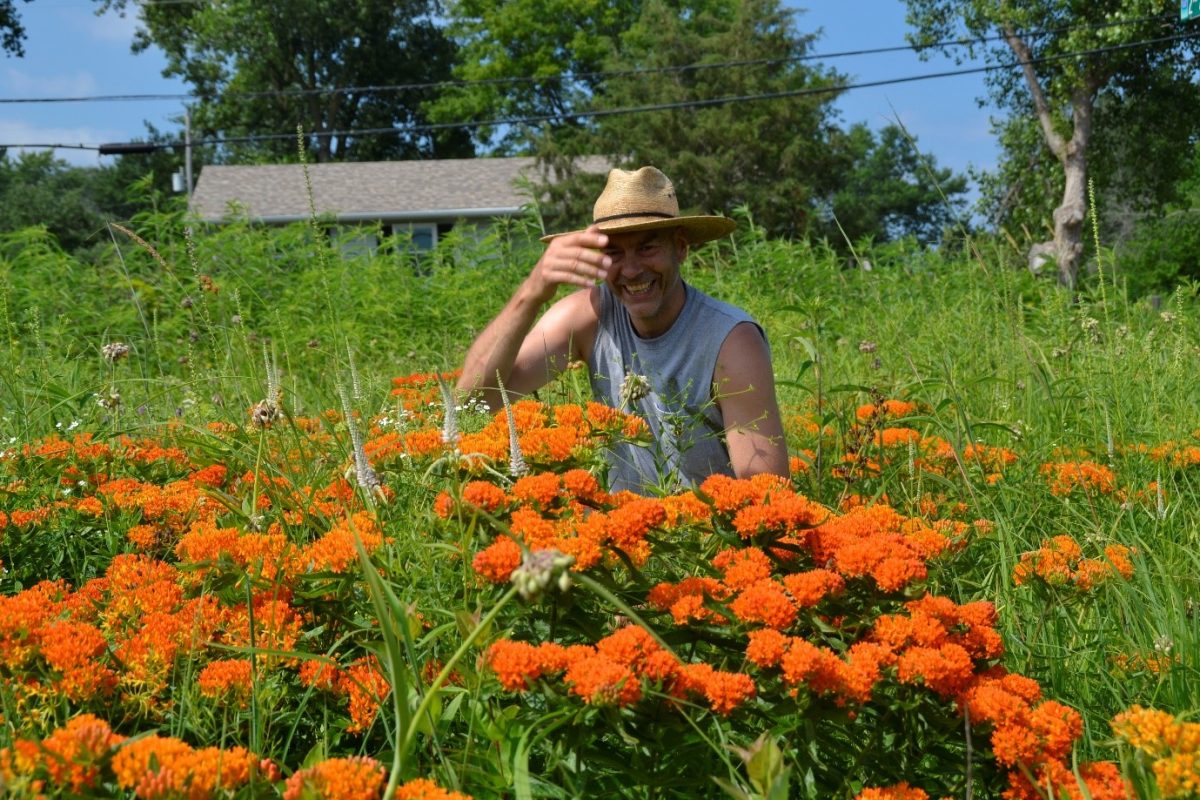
418 393
569 513
1060 562
164 767
363 682
425 789
271 555
1034 738
227 679
72 757
84 752
353 778
1173 744
1178 455
901 791
1156 663
614 671
887 409
1067 477
937 644
122 635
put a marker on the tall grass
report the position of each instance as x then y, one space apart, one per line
991 354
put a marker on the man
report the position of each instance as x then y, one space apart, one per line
698 370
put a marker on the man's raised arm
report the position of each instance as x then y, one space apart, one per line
512 345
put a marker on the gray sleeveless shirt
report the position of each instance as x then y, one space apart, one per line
688 440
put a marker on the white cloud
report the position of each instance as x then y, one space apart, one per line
22 84
107 27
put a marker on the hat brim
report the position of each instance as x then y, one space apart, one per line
697 229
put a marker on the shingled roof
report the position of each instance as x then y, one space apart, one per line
439 189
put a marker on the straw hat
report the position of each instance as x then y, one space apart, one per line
645 200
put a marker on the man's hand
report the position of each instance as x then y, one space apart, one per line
522 353
574 258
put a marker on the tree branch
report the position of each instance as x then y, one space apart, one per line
1018 45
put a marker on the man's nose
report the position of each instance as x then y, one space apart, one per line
630 265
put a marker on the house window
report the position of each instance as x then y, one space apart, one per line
424 234
355 242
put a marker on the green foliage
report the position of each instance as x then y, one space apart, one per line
991 355
773 156
888 190
537 54
1162 253
1134 106
228 52
12 32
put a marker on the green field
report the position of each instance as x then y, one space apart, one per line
224 584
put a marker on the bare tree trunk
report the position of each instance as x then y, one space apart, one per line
1067 245
1069 218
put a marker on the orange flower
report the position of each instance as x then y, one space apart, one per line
227 678
901 791
743 567
767 602
498 560
366 685
685 600
425 789
945 670
320 675
810 588
630 646
724 691
602 681
164 767
541 490
71 757
483 494
1065 477
767 647
516 664
353 778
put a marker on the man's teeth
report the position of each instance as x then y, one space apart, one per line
637 288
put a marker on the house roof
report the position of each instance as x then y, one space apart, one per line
437 189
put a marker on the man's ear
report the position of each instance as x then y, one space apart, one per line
681 244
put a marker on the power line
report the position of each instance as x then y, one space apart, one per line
680 105
464 83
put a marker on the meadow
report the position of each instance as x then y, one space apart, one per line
246 554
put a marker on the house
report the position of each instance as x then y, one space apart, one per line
423 199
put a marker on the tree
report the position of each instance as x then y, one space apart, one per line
266 66
527 58
12 32
888 190
1140 150
1060 83
73 203
776 156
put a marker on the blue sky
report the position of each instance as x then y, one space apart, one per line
71 51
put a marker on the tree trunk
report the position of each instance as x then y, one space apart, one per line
1067 245
1069 218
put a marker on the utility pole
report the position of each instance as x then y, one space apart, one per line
187 148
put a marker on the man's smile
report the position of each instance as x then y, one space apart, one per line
637 289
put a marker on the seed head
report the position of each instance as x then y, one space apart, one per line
633 388
516 460
539 569
115 351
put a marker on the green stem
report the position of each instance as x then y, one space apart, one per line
437 683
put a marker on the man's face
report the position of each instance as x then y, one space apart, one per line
645 276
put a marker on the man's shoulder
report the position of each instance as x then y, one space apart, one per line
712 305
